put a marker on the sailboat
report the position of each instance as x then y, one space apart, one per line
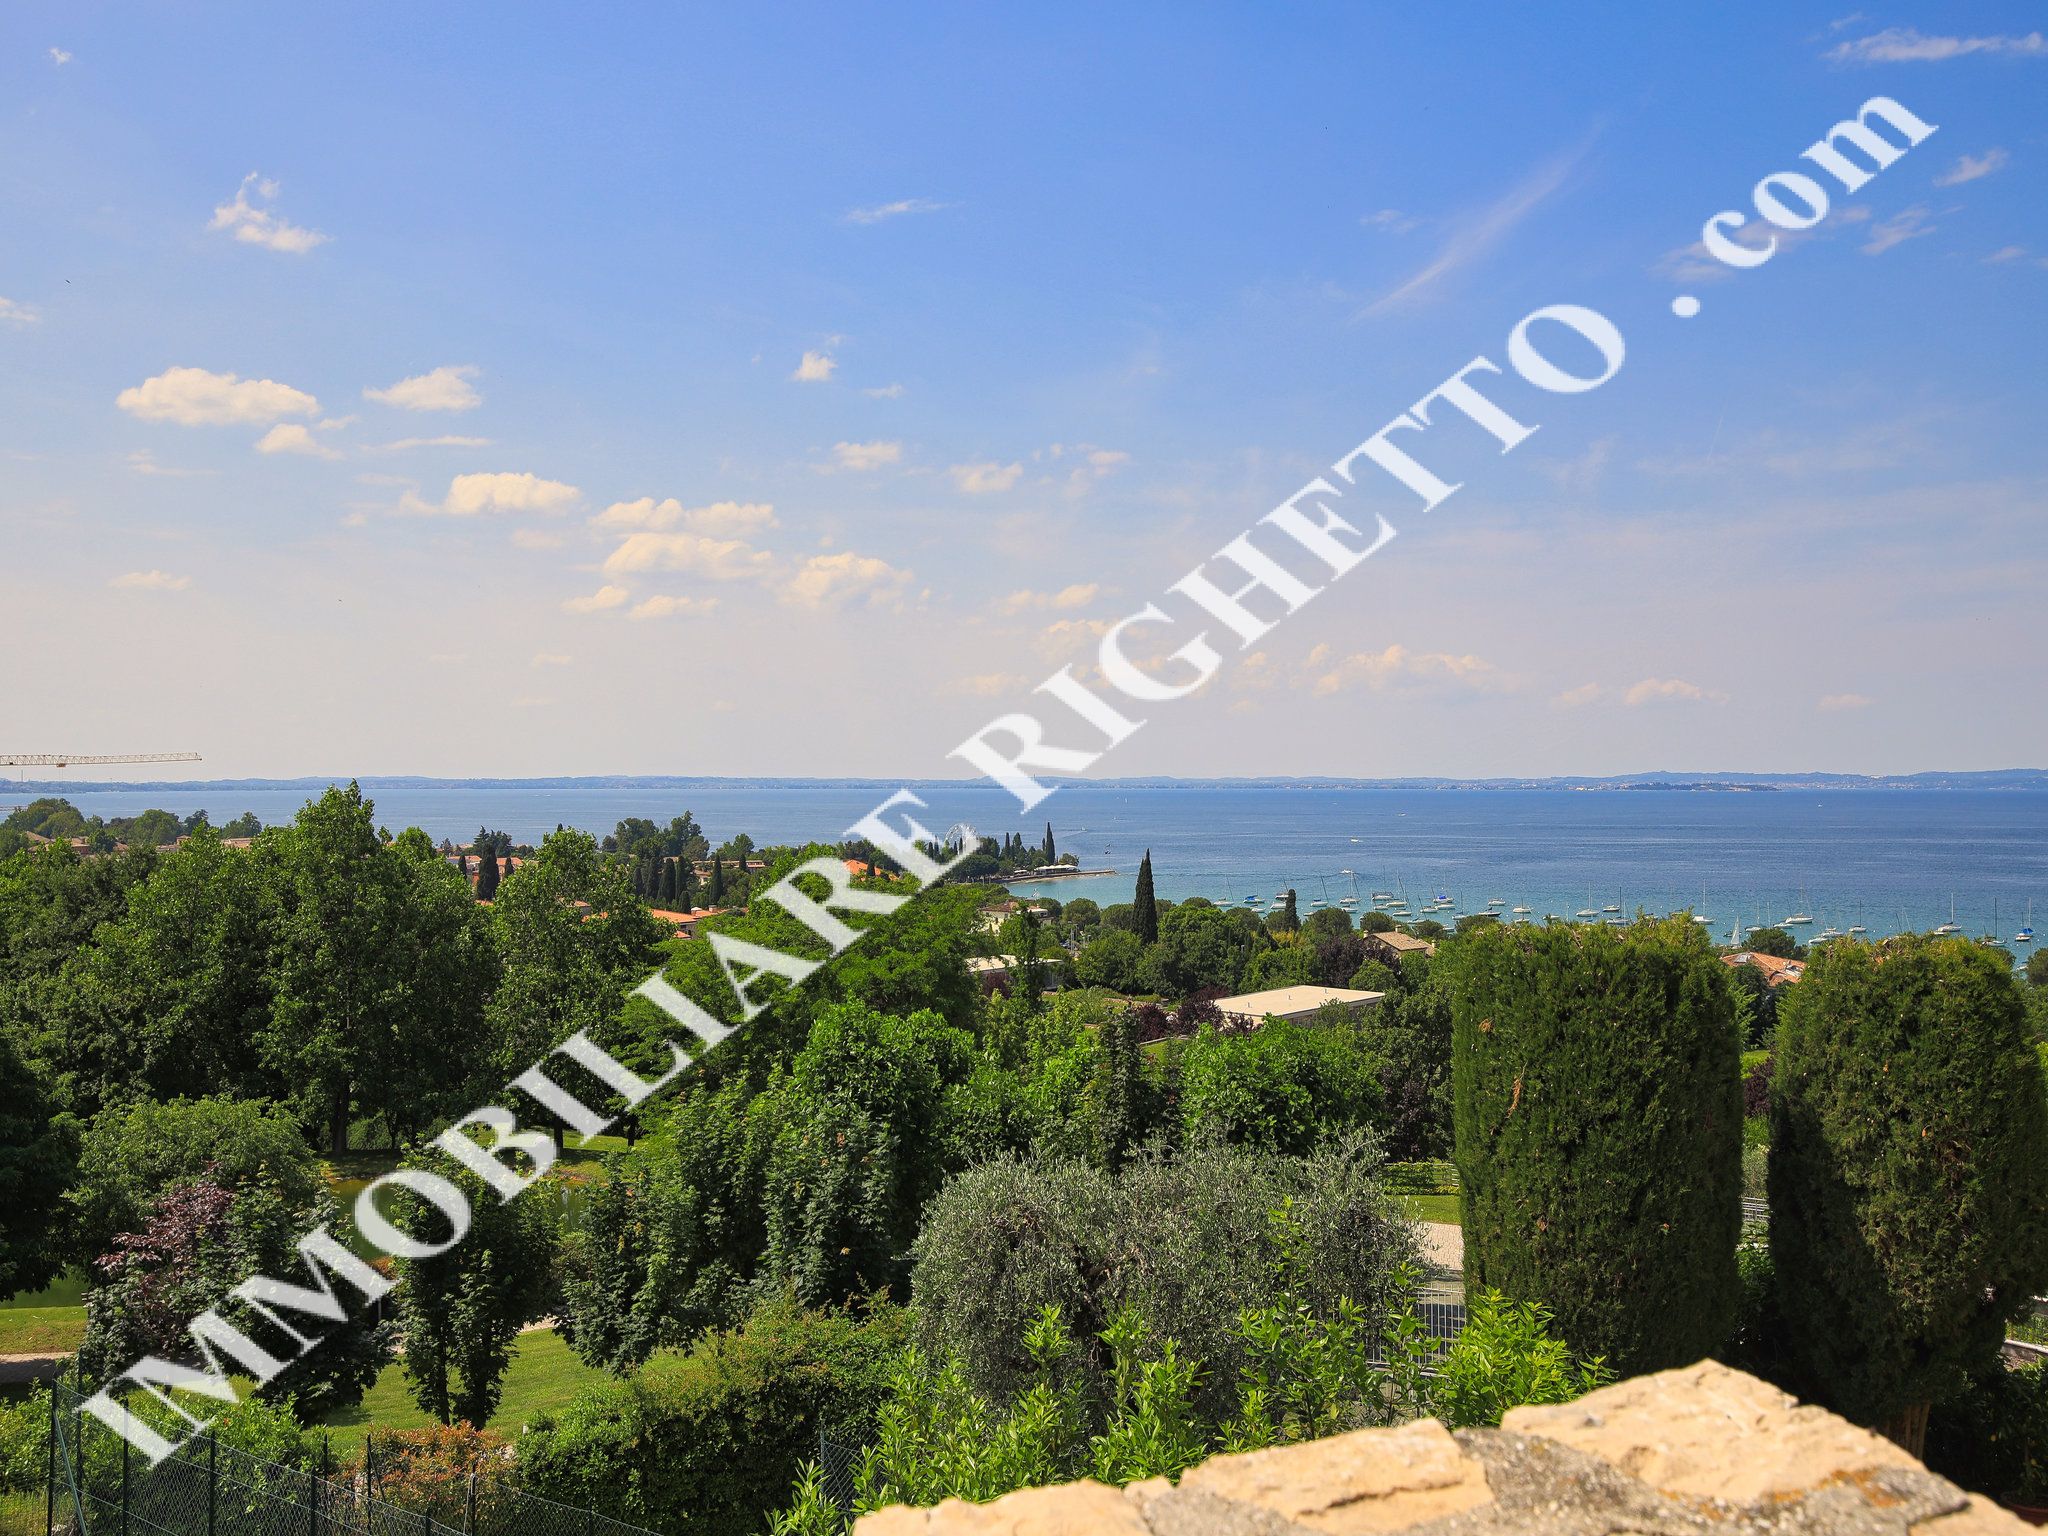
1992 936
2024 934
1798 919
1951 926
1352 899
1857 926
1588 910
1700 916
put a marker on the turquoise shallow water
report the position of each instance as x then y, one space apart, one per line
1885 858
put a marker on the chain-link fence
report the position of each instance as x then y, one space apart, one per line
99 1486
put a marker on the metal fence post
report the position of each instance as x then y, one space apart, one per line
124 1485
469 1507
50 1503
212 1477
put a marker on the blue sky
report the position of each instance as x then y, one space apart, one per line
501 389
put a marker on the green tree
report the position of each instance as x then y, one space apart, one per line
1144 905
1772 941
1285 918
462 1309
1201 946
1909 1151
1598 1101
1285 1086
37 1155
487 876
1110 959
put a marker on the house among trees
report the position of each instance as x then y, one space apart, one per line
1296 1004
1394 946
1777 972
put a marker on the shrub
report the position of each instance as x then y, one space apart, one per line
711 1440
1994 1438
1286 1086
428 1470
1505 1357
1599 1132
25 1442
1909 1149
1187 1244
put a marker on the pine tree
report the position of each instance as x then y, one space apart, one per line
487 877
1598 1104
686 877
1048 849
717 880
1144 907
668 882
1909 1150
1122 1065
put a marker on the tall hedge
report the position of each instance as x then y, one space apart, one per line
1598 1109
1908 1174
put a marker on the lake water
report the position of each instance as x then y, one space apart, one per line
1888 859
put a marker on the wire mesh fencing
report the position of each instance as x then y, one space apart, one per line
99 1486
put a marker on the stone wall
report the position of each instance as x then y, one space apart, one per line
1704 1451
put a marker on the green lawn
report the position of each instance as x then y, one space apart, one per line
544 1374
41 1330
1442 1208
22 1514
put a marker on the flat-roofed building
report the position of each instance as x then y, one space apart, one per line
1296 1003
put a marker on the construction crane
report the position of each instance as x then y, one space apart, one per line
81 759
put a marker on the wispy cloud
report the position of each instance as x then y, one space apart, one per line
1906 224
1670 690
692 553
59 57
1331 673
152 581
445 441
12 313
143 462
193 397
884 392
827 580
859 456
985 479
662 606
443 389
878 212
721 519
1896 45
1973 168
263 226
816 368
1393 220
1833 703
1479 233
1078 595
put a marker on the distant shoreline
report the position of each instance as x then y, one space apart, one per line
1693 783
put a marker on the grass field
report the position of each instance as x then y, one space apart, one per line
22 1514
41 1330
543 1374
1431 1207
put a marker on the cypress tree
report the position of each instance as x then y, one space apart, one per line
1596 1077
487 877
1145 909
717 880
1909 1152
686 877
1048 849
668 882
1118 1128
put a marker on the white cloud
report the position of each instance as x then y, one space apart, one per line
596 602
1906 224
1895 45
143 462
824 580
866 455
721 519
1580 475
12 313
469 495
985 479
2004 254
895 210
1392 220
193 397
1670 690
661 606
815 368
445 441
1973 167
884 392
152 581
291 437
1079 595
1835 702
260 226
1396 664
1694 263
1579 697
536 538
717 559
1481 232
59 57
444 389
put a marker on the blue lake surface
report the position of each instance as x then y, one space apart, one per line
1888 859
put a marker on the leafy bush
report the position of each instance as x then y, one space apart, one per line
1505 1357
1187 1244
25 1442
710 1440
1286 1086
1994 1438
429 1470
1599 1132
